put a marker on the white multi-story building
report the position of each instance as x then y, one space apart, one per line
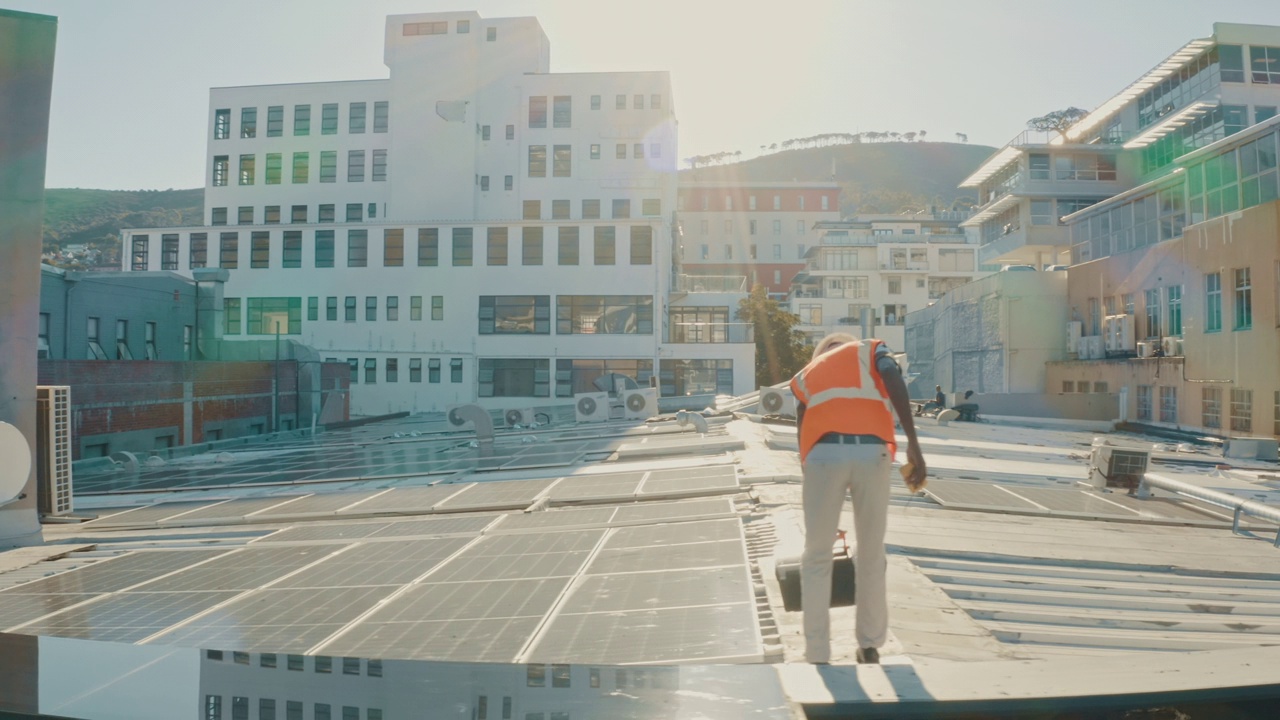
1208 89
473 228
880 267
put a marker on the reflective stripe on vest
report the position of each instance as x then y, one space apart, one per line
865 389
844 394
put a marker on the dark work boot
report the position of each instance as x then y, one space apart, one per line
868 656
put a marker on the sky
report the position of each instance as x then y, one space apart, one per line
131 77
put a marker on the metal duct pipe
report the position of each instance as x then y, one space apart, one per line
1239 505
684 417
483 422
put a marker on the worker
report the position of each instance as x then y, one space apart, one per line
939 397
845 428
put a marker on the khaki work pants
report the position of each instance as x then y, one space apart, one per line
830 470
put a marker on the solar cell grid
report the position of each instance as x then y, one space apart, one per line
654 512
439 525
1071 501
411 499
383 563
675 533
318 503
19 609
974 494
557 518
466 568
151 513
127 617
513 493
488 640
233 508
345 531
113 574
663 589
536 543
666 635
668 557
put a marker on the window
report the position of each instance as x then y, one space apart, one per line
1168 404
1264 64
490 34
259 249
275 121
537 161
393 248
559 676
777 252
220 170
1153 313
604 315
1174 296
590 209
692 377
122 340
370 378
324 248
595 151
637 151
428 247
1262 113
355 212
1144 402
559 209
246 169
213 707
229 251
95 351
329 119
415 307
561 111
371 308
561 161
231 312
392 375
508 182
379 166
222 124
357 248
248 122
531 246
455 370
751 227
620 102
266 709
291 249
381 111
1275 428
637 102
355 119
301 120
324 213
437 307
1068 386
349 309
275 165
605 245
1243 299
895 285
462 249
301 167
699 324
415 370
1211 407
464 27
642 245
244 215
199 251
265 314
621 209
568 246
329 166
1241 410
651 207
497 246
331 308
825 202
355 166
271 214
515 314
141 250
433 370
620 151
538 111
354 365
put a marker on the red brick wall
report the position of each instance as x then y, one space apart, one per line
124 396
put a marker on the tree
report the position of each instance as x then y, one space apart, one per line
780 348
1057 121
921 135
961 137
909 136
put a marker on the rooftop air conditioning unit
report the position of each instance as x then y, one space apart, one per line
1115 467
774 401
517 416
1074 329
640 404
591 407
53 449
1144 349
1110 338
1172 346
1123 332
1091 347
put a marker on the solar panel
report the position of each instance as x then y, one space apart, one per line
689 480
975 495
243 570
466 568
1071 501
509 494
675 534
382 563
319 503
668 557
113 574
662 589
496 640
438 525
408 499
346 531
19 609
151 513
721 633
585 487
232 509
549 519
656 511
127 617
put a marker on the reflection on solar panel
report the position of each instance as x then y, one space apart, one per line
233 509
717 632
412 499
382 563
687 480
653 512
127 617
641 591
317 504
669 557
512 494
113 574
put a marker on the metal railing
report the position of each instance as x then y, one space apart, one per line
711 333
711 283
1240 506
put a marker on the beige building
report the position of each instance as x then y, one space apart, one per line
1207 298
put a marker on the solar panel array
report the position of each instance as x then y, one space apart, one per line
1067 502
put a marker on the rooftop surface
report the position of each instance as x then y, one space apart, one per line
653 546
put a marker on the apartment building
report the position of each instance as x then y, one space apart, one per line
1189 325
878 268
756 231
465 230
1208 89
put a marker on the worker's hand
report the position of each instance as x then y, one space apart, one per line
916 479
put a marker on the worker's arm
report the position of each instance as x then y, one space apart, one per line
799 418
891 374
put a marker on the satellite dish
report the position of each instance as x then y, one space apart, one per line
15 461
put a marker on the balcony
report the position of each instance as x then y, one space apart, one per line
1020 244
710 284
905 266
703 333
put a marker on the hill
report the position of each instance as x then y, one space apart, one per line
875 177
93 218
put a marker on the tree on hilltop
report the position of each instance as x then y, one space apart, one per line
1057 121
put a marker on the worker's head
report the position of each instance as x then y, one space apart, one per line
938 388
831 342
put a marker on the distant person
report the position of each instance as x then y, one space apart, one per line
968 394
939 397
845 428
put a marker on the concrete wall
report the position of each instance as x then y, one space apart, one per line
1094 406
140 406
163 298
993 335
26 81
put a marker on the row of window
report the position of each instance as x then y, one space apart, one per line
293 710
271 214
753 227
1163 306
1239 409
392 370
704 202
498 314
561 107
120 349
441 27
300 170
287 251
357 116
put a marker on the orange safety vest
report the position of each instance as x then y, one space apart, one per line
843 392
